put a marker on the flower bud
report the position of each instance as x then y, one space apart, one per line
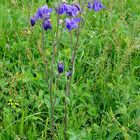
33 20
47 24
60 67
69 74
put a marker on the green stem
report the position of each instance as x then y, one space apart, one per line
51 79
50 92
69 81
73 60
70 78
71 42
43 44
61 31
57 30
65 116
74 53
29 12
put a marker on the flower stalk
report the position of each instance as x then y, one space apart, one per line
43 43
51 94
65 115
29 11
52 100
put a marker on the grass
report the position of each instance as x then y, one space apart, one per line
105 95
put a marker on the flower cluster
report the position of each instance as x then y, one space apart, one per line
71 11
72 21
43 13
95 5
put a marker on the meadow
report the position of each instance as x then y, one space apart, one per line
104 101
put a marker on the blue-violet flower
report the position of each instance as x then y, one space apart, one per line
42 13
90 5
72 10
60 9
96 5
60 67
72 23
33 19
69 74
47 24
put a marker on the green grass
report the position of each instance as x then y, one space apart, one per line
105 96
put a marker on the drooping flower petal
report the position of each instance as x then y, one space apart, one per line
60 67
77 6
97 6
72 11
69 73
33 19
44 12
60 9
47 24
72 23
90 5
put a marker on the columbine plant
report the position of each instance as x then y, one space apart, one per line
42 13
72 15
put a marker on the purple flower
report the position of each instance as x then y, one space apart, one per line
47 24
60 9
33 19
69 74
77 6
44 12
72 23
60 67
97 6
90 5
71 10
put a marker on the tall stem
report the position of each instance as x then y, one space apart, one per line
65 115
29 11
43 47
57 30
73 60
74 52
51 96
69 80
51 78
42 52
71 41
61 31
